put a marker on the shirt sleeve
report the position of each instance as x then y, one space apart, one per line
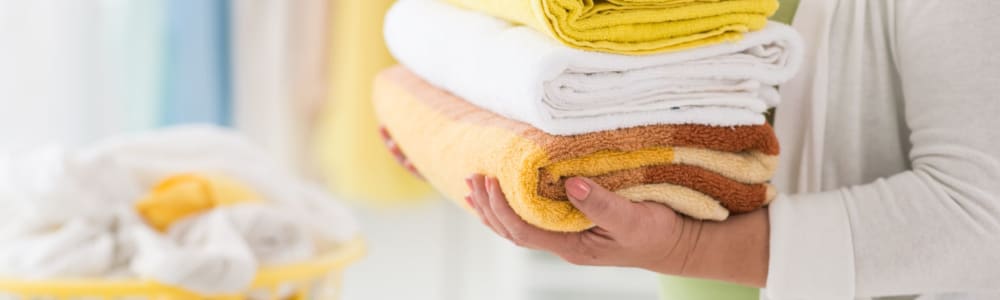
936 227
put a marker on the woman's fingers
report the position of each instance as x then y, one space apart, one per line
480 196
397 153
527 235
384 133
412 169
603 207
491 204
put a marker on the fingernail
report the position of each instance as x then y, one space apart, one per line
489 184
578 189
469 201
468 183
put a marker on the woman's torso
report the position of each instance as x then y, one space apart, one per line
853 130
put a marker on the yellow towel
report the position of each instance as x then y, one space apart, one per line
352 154
633 26
183 195
449 139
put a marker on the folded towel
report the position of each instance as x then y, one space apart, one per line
681 199
470 140
734 196
523 75
633 26
183 195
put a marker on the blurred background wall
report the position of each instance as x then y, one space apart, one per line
294 75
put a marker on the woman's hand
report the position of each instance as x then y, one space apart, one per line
636 234
397 153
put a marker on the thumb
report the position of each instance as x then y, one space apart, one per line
603 207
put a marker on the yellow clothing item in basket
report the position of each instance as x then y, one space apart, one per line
184 195
633 26
352 154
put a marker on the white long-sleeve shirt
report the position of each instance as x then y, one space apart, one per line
891 153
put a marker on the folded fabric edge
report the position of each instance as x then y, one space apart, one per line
734 196
684 200
707 27
720 138
419 98
745 167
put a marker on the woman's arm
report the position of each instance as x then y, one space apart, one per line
935 228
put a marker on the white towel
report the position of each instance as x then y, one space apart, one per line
79 248
206 255
70 213
275 236
219 251
150 157
61 216
524 75
53 185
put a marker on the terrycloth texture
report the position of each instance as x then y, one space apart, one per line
523 75
674 287
350 151
750 167
180 196
734 196
681 199
472 140
633 26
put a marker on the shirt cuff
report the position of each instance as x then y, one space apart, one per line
812 251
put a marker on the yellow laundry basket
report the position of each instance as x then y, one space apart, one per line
318 278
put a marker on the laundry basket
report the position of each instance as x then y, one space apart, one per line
318 278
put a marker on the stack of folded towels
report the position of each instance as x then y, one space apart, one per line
657 100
